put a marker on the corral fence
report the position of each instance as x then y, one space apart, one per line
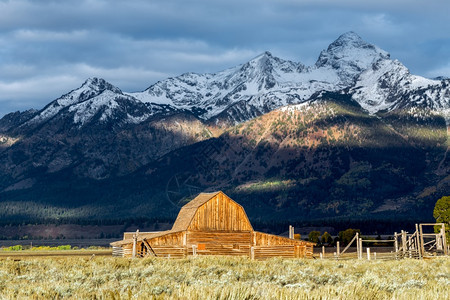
419 244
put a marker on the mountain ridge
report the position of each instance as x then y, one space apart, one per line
333 139
265 83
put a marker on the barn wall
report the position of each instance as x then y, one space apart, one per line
171 239
180 244
220 213
170 251
286 251
127 250
269 245
265 239
168 245
219 242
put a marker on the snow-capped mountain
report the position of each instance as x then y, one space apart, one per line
388 85
100 147
210 94
349 64
267 82
348 56
97 101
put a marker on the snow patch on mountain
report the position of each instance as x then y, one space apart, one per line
91 88
389 85
84 111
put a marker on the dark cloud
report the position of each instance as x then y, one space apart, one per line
50 47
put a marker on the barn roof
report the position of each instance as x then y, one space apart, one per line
142 236
187 212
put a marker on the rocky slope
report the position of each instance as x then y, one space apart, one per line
325 158
96 131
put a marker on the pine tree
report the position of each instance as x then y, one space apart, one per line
326 238
313 236
441 213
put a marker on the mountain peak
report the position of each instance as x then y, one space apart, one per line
263 57
265 54
351 55
350 46
99 85
91 88
349 37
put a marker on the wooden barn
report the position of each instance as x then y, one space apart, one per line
210 224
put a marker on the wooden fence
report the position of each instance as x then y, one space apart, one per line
416 245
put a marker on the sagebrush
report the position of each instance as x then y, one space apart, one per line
222 278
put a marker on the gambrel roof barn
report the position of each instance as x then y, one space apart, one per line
210 224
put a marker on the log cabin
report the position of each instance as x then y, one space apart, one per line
211 224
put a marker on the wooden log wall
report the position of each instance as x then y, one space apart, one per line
220 213
117 251
265 239
219 243
170 251
286 251
179 245
127 250
170 239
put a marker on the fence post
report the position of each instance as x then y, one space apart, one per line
357 244
355 238
291 232
133 255
337 248
375 256
396 245
404 243
194 250
368 253
252 253
422 246
444 239
323 251
360 248
418 242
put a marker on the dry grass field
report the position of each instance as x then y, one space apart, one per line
100 277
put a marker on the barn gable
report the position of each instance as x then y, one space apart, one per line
212 212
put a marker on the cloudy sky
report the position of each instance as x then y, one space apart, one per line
49 47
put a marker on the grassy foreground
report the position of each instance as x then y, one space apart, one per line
222 278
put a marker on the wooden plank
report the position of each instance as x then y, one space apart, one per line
378 241
149 248
262 252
